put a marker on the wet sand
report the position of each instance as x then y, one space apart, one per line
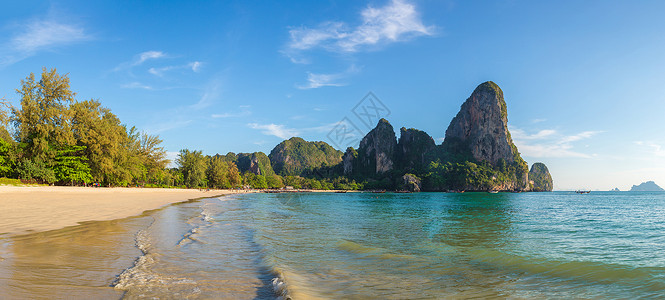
34 209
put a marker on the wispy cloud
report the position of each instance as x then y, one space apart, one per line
148 55
194 66
140 58
280 131
210 94
41 35
395 22
315 81
136 85
243 112
550 143
652 147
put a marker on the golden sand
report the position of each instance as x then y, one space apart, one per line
33 209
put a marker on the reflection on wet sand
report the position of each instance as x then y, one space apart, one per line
73 262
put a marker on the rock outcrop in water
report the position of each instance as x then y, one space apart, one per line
648 186
479 135
540 178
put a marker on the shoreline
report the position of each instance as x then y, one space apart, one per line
30 209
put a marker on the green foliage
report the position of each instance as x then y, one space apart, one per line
192 164
43 122
10 181
257 163
5 158
274 181
71 166
217 173
254 181
296 156
35 170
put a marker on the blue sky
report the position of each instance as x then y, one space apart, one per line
583 79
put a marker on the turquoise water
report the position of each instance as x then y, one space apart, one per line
355 246
408 246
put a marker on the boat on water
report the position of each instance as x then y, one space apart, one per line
493 192
340 192
582 192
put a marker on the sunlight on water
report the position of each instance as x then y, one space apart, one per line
355 246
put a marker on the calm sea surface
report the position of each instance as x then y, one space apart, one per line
355 246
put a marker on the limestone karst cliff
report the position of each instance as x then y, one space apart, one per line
540 178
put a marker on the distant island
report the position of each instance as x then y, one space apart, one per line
615 190
648 186
56 139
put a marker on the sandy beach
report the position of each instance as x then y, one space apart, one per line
34 209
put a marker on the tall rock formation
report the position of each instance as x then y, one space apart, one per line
376 151
295 155
257 163
414 149
482 126
480 133
540 178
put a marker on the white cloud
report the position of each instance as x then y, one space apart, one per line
321 80
652 147
38 36
143 57
397 21
550 143
140 58
136 85
195 66
280 131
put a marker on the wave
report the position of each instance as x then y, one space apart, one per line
607 273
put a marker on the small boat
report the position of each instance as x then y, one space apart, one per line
379 192
582 192
493 192
340 192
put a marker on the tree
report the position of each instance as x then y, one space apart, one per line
217 173
234 175
192 164
71 166
274 181
5 158
43 122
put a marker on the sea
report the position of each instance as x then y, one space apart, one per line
602 245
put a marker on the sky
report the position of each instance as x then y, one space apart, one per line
583 80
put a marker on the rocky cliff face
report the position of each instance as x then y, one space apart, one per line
482 125
295 155
540 178
347 160
377 150
414 149
257 163
479 132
